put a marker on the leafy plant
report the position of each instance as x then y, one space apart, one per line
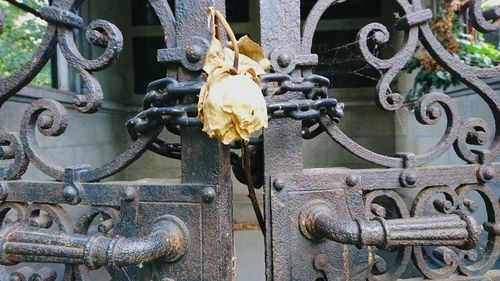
22 33
470 48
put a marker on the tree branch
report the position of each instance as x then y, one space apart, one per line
250 185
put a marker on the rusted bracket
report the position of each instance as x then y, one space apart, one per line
460 230
285 61
167 241
190 56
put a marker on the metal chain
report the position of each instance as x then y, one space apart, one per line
164 102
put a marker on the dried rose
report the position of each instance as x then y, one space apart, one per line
231 105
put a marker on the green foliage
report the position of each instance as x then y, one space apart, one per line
425 80
22 33
471 50
488 4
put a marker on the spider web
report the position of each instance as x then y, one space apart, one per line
345 61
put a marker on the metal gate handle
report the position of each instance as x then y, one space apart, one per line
168 241
460 229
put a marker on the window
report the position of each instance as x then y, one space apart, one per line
340 60
144 14
146 66
347 10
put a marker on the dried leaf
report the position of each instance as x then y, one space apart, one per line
215 56
252 50
246 63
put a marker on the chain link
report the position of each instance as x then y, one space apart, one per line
164 104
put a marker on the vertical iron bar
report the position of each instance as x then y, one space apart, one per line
280 28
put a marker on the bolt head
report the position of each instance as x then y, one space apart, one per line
129 194
408 178
194 53
69 194
486 173
278 184
284 60
352 180
208 195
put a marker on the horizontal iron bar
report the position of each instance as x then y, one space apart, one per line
373 179
103 194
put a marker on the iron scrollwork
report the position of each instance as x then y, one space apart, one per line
293 93
44 232
438 196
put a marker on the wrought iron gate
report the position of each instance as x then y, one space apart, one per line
321 224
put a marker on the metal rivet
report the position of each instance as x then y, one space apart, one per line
70 194
194 53
208 195
284 60
129 194
408 178
278 184
352 180
486 173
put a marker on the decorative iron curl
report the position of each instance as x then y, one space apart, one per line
380 269
472 77
427 112
446 255
473 131
110 216
389 68
30 215
53 123
477 17
414 24
51 119
62 19
62 220
10 85
471 264
11 148
99 33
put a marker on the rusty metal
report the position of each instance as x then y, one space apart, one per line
168 241
321 224
315 215
149 231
